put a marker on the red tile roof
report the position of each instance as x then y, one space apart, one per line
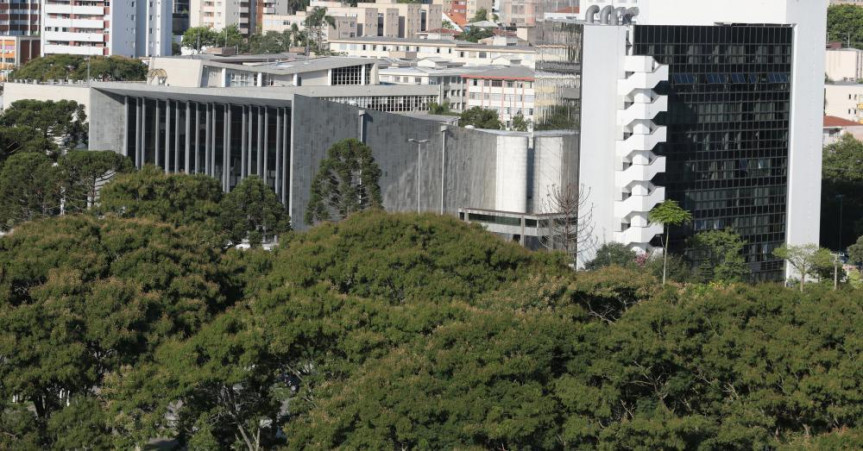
459 19
836 122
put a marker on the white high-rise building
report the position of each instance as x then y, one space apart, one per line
716 105
101 27
219 14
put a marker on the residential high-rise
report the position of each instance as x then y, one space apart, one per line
715 105
221 14
19 17
102 27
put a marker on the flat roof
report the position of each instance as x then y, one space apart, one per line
442 42
285 66
268 95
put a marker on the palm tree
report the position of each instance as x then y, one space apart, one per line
315 22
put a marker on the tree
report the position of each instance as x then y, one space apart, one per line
612 254
29 188
480 16
519 123
81 298
346 182
855 252
440 108
63 122
844 24
668 214
842 193
271 42
74 67
24 138
82 173
316 20
480 118
199 37
475 34
567 221
177 199
718 256
252 211
805 259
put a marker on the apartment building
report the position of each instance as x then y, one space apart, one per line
20 17
844 64
342 26
387 18
844 100
219 14
17 50
102 27
468 8
449 49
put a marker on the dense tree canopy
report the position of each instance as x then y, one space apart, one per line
845 24
842 193
74 67
347 181
252 211
43 126
389 331
480 118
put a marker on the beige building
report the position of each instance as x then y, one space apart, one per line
343 26
844 100
386 17
447 49
219 14
844 64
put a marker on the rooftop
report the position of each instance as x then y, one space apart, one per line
838 122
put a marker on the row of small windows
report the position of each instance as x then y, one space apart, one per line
717 79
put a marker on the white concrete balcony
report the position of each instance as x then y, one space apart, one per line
639 205
53 49
641 142
641 111
638 237
66 36
640 172
76 23
77 10
636 81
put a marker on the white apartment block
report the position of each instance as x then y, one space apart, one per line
844 100
343 26
219 14
102 27
387 18
844 64
448 49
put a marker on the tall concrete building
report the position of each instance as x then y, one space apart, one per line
221 14
716 105
19 17
102 27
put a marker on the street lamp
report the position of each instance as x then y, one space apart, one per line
419 143
839 197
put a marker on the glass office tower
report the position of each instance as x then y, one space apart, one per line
729 92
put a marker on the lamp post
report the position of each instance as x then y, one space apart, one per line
840 197
419 143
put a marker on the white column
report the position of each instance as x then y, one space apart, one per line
167 136
207 137
278 168
243 142
226 150
266 144
156 126
177 137
125 151
188 135
260 143
197 139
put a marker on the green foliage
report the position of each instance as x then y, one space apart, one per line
475 34
346 182
519 123
718 257
844 24
669 214
74 67
81 298
253 211
29 188
855 252
388 331
612 254
200 37
316 21
440 108
481 15
559 117
480 118
842 174
81 172
271 42
60 125
806 259
177 199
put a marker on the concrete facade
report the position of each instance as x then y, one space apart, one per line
844 100
844 65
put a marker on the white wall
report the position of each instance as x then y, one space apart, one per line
511 174
604 52
14 92
841 100
807 100
844 65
